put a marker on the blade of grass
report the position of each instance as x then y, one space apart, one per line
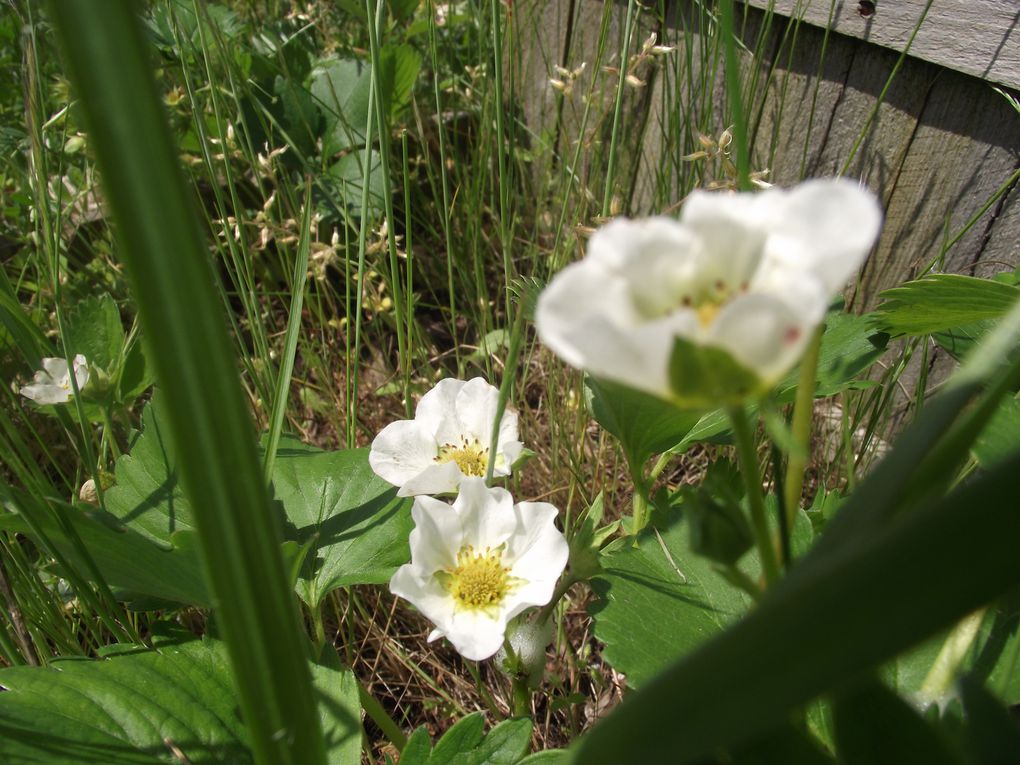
298 280
167 264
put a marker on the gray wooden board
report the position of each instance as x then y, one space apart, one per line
977 37
939 145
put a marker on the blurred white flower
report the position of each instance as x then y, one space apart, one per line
52 383
750 274
447 440
478 564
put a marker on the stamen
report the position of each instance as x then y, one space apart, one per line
472 458
480 580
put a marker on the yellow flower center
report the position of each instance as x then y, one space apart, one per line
472 458
707 313
480 580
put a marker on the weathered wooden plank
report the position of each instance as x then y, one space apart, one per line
977 37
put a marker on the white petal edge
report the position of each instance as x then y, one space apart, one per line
401 451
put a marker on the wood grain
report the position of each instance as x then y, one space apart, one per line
976 37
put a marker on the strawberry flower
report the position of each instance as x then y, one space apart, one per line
52 383
748 274
448 440
478 564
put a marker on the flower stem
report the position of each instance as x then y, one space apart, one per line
752 483
640 517
801 427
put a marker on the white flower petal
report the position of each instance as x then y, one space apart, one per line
476 410
826 227
46 393
763 333
733 230
437 410
56 369
475 634
437 535
486 515
437 478
401 451
81 371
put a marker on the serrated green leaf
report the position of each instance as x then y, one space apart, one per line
352 523
128 561
850 345
466 743
1000 437
141 705
941 302
358 526
341 88
658 601
147 495
347 174
644 425
400 66
94 329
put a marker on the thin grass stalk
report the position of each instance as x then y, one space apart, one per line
733 94
283 380
382 125
433 44
167 263
885 89
614 137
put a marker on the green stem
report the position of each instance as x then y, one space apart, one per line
520 692
472 667
752 482
801 427
640 517
381 718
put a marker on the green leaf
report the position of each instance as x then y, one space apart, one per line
341 88
815 629
992 731
1000 437
94 329
173 285
350 519
658 601
942 302
467 744
704 377
126 559
644 425
874 726
137 374
147 495
142 705
346 176
959 341
400 66
357 525
849 347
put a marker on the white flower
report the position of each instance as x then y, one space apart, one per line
52 383
750 274
480 563
448 439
